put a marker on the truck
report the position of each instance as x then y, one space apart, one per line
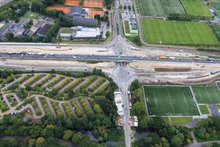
163 57
172 58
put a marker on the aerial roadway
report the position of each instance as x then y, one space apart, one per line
107 58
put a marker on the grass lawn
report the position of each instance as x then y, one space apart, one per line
181 120
170 100
158 31
160 7
141 95
66 30
207 93
204 109
166 119
116 135
31 15
127 29
196 8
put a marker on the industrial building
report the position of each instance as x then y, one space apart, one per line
119 103
77 11
12 27
80 33
86 22
43 31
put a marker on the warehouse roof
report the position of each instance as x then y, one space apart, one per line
44 30
88 22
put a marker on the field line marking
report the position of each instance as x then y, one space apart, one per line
207 93
194 98
190 34
185 102
216 94
216 82
171 99
145 100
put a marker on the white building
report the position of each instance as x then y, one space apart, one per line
119 103
80 33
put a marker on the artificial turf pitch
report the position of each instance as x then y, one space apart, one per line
209 94
196 8
160 7
170 100
159 31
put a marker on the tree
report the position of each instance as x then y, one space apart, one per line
16 20
71 37
81 2
177 140
9 36
97 16
144 123
28 87
138 109
76 138
40 142
61 2
31 142
97 108
137 40
67 134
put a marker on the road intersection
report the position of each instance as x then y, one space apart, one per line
121 74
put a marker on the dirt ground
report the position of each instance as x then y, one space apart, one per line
160 53
149 66
55 64
54 50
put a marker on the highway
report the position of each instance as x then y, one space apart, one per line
102 58
121 74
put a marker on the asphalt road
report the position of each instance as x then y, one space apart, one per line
100 58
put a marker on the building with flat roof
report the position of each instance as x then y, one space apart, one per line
80 33
85 22
77 11
42 31
119 103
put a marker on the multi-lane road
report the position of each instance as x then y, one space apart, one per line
107 58
119 45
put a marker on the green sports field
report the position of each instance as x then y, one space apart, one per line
204 109
170 100
216 30
216 6
196 8
158 31
207 93
160 7
218 84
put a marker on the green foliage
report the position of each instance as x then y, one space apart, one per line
9 36
208 129
67 134
164 134
14 10
108 3
22 93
